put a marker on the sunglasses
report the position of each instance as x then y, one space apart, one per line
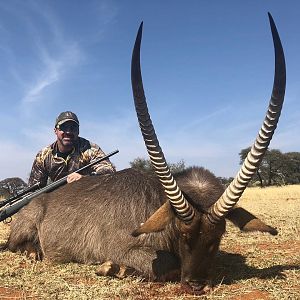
73 127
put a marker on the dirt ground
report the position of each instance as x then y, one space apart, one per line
249 266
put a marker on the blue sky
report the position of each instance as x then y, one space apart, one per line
207 70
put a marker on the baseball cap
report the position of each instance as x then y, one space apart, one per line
65 117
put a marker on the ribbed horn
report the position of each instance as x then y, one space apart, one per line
234 191
183 209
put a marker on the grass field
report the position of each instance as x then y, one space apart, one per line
249 266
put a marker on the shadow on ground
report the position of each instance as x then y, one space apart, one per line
232 267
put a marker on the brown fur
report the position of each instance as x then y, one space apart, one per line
91 221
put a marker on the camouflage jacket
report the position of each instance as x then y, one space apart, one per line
49 164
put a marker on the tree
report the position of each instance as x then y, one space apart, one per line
226 181
269 171
291 169
13 185
146 166
142 164
276 168
271 167
177 167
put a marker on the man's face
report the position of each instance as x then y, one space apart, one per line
67 135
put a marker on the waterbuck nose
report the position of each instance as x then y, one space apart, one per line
197 287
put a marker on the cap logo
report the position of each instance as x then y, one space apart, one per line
65 117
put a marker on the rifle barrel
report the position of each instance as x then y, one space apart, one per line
17 205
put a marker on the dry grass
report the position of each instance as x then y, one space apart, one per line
249 266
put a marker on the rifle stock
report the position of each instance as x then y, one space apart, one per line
19 203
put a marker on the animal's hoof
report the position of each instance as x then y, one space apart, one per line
125 272
108 269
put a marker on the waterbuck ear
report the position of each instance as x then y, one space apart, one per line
157 222
248 222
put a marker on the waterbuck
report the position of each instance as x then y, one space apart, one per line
160 226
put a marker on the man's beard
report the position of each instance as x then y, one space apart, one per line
68 141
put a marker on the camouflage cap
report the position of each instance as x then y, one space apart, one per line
65 117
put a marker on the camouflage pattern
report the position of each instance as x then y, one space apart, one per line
48 165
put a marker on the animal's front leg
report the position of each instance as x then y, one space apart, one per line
109 268
154 265
145 262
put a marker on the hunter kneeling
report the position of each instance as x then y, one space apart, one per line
67 154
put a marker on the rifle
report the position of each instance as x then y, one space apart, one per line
19 195
17 204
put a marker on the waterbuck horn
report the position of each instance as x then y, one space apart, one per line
183 209
234 191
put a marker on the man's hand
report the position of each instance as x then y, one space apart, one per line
73 177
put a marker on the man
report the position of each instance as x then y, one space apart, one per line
69 153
